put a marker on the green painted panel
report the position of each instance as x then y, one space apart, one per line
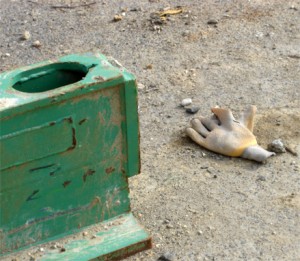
69 141
26 147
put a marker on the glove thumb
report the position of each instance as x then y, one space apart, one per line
256 153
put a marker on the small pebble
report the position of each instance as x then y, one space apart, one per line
117 18
212 21
192 110
26 35
166 257
152 86
31 257
185 33
37 44
166 221
261 178
277 146
169 226
293 8
85 233
291 149
186 102
136 9
200 232
140 86
210 170
55 246
156 28
42 249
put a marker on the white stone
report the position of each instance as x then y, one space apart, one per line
186 102
26 35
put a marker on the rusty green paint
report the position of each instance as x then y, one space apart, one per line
68 141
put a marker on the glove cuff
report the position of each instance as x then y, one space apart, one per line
256 153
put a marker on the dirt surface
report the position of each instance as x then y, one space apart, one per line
196 204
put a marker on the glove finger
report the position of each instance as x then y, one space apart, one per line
224 115
195 136
215 119
256 153
209 123
247 117
198 126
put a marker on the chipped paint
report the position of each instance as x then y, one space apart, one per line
110 170
8 102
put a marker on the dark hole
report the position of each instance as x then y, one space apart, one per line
49 77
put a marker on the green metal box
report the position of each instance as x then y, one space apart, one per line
69 140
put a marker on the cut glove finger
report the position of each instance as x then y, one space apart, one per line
224 115
247 117
209 123
195 136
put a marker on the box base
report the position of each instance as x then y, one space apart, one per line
113 239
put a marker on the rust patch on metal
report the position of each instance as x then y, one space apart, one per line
82 121
66 183
31 197
42 167
110 170
70 120
94 202
89 172
74 141
99 78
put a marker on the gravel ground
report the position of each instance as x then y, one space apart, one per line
196 204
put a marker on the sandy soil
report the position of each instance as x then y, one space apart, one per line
196 204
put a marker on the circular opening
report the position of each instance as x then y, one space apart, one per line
49 77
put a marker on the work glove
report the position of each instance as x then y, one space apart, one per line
223 134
